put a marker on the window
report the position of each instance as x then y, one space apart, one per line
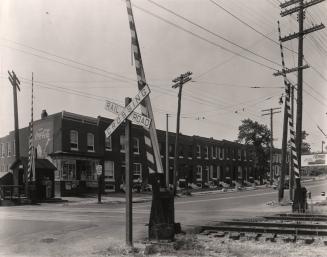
239 172
136 145
206 152
108 143
8 149
122 143
69 170
181 151
90 142
198 173
73 140
109 171
221 153
244 154
219 169
239 154
1 150
14 148
198 151
213 173
171 150
137 172
206 171
190 152
214 152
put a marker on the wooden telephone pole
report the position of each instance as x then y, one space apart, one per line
271 112
298 203
179 82
15 85
301 6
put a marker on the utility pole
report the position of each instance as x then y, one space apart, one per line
167 151
179 82
271 112
300 9
128 178
15 85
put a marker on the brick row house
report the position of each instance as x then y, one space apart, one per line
76 144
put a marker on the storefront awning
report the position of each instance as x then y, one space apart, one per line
39 164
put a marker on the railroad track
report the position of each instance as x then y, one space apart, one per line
307 225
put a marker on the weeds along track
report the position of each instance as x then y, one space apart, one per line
294 225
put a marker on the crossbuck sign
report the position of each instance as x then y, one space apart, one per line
135 117
126 112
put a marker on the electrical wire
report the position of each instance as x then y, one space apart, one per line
211 32
202 38
248 25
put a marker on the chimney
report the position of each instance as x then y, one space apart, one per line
44 114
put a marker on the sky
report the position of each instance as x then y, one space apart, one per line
79 52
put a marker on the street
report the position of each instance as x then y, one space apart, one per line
86 229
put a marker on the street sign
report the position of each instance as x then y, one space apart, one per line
99 169
144 92
135 117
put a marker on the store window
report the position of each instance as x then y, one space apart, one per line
90 142
73 140
109 171
108 143
136 145
198 173
69 170
137 172
198 151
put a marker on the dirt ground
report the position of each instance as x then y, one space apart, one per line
192 244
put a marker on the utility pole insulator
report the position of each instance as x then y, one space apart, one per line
286 71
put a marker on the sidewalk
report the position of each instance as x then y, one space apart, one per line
105 199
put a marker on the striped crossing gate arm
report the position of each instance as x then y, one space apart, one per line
289 112
30 166
150 135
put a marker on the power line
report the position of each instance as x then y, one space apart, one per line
248 25
200 37
69 65
211 32
68 59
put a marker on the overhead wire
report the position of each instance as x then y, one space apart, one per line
202 38
211 32
248 25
